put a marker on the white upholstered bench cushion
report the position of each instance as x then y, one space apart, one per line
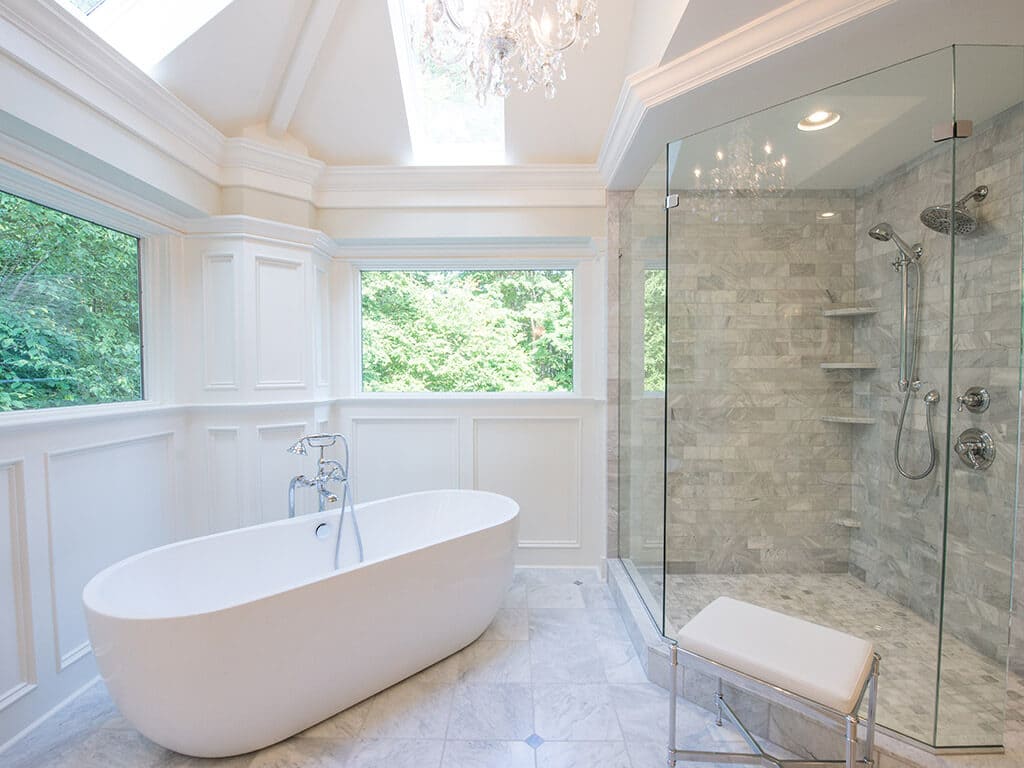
818 663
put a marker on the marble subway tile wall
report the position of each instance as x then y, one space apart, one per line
618 206
758 483
898 548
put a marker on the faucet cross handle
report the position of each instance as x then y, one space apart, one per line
975 400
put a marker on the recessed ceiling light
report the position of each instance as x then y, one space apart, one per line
818 120
826 214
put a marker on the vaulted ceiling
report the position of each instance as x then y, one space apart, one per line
349 108
321 77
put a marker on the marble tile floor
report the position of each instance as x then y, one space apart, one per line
553 683
971 682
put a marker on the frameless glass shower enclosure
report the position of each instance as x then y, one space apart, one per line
834 302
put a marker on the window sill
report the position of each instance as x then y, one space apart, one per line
77 413
437 398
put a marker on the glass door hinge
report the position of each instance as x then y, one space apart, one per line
959 129
671 201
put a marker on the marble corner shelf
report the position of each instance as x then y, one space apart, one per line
850 365
849 311
848 418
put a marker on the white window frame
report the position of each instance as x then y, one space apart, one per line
153 292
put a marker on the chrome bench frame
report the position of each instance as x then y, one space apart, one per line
778 695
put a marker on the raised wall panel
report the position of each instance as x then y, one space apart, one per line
537 463
106 502
220 331
396 456
224 497
281 330
17 665
276 469
321 325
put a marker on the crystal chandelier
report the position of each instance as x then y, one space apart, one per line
506 43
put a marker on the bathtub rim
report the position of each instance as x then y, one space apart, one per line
90 598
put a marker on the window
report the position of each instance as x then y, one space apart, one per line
654 330
69 310
447 125
85 6
145 31
467 330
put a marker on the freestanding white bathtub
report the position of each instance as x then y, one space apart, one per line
228 643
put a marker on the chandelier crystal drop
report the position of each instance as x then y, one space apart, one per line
505 44
743 168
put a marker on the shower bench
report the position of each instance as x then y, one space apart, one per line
814 670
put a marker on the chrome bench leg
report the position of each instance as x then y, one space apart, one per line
673 669
869 738
718 702
851 741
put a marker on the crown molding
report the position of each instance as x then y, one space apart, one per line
786 26
37 175
249 163
455 250
461 187
66 53
250 227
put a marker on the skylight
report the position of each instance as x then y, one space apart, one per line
447 125
145 31
85 6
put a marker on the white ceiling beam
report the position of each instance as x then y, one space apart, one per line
300 65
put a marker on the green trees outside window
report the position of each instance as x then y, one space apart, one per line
654 330
69 310
467 331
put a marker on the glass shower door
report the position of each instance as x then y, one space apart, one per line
984 216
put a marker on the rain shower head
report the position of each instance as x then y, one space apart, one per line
955 218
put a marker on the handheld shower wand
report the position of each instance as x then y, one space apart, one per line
909 256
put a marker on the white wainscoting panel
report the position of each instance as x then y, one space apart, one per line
220 322
403 455
321 325
281 319
535 461
106 502
17 660
224 479
276 468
